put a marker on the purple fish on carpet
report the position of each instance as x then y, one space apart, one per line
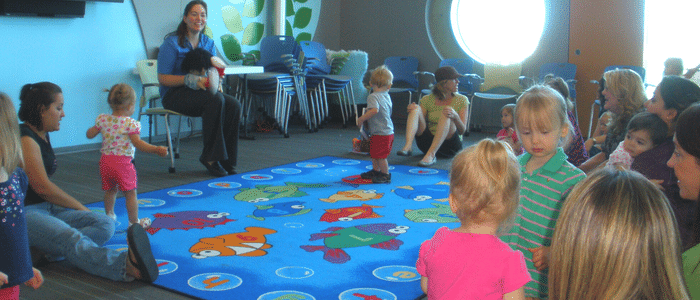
186 220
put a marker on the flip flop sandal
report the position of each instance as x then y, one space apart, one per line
140 246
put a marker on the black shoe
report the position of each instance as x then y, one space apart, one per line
230 169
369 174
382 178
214 168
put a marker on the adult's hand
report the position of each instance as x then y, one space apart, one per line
449 112
195 82
412 106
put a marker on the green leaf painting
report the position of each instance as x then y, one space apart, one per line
231 47
253 33
208 32
289 9
288 28
253 8
304 36
232 19
238 26
302 17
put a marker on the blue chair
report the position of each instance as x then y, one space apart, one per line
403 68
319 81
464 66
566 71
280 79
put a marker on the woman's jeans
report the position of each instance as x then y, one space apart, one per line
78 236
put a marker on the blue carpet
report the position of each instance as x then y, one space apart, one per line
306 230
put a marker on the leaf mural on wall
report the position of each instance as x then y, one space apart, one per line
208 32
231 47
288 28
253 33
232 19
239 25
289 9
302 17
229 43
253 8
304 36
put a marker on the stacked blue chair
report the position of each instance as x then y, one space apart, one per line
320 82
277 54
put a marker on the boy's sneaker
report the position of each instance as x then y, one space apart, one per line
370 174
382 178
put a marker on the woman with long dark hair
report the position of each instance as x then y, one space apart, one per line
187 94
686 165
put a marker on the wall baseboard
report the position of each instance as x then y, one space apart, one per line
96 146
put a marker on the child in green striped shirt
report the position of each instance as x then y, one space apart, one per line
547 177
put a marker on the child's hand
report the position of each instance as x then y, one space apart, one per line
540 257
412 106
36 281
162 151
3 278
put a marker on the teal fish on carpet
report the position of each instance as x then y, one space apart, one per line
438 192
286 209
380 236
266 192
441 213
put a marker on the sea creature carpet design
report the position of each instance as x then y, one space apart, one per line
305 230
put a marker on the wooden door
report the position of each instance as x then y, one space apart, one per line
602 33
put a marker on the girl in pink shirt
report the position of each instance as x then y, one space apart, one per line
120 135
471 262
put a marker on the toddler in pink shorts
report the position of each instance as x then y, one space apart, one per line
120 135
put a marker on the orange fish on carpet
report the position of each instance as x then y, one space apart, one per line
248 243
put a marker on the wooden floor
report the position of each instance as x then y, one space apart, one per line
78 175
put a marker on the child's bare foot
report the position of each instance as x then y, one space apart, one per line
144 222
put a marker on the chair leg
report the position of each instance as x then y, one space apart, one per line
352 98
150 128
179 126
590 123
170 144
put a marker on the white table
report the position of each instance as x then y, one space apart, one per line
240 69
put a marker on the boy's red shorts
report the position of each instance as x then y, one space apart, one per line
380 146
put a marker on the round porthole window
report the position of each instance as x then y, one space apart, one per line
494 31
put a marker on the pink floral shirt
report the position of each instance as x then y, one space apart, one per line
620 157
115 132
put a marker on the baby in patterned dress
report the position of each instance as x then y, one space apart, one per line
120 135
644 132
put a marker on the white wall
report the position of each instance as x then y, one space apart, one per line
81 55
